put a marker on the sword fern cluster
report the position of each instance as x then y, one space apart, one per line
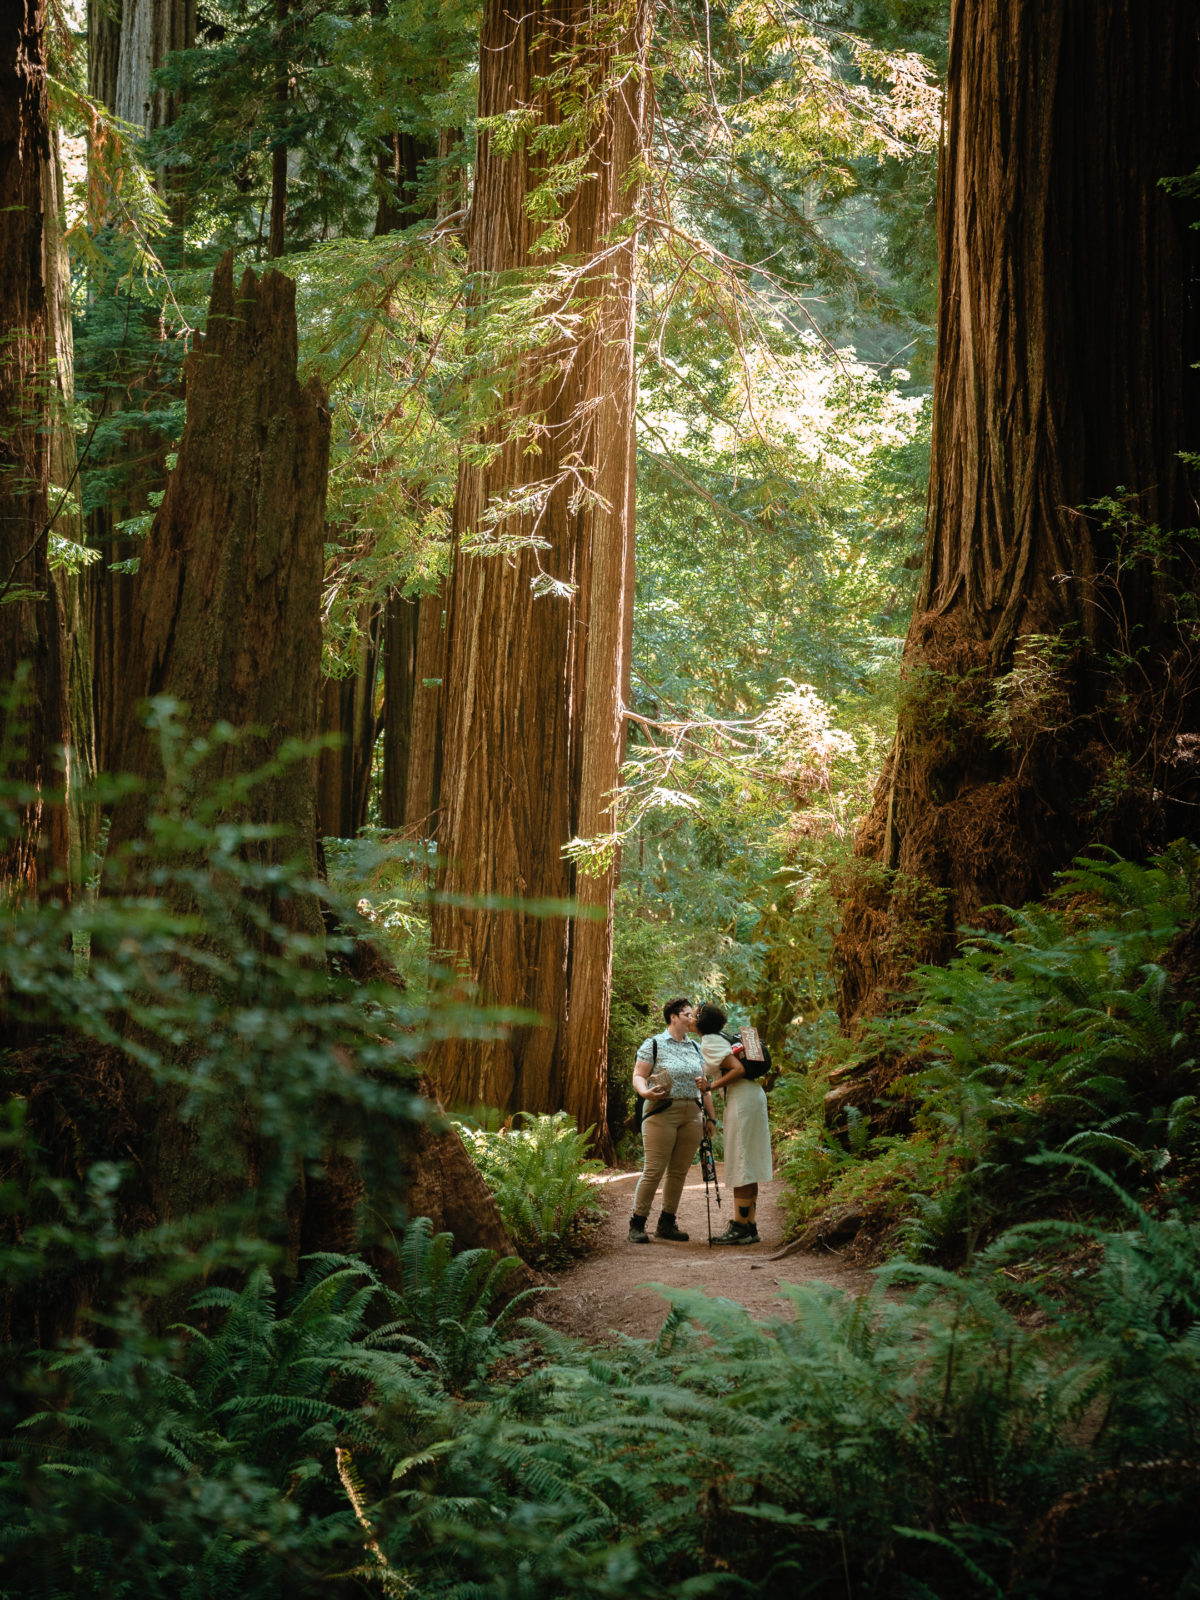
927 1439
539 1170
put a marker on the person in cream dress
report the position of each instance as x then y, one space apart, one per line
747 1130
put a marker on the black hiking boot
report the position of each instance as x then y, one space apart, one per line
667 1228
738 1233
637 1231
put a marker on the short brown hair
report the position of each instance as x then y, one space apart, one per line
673 1007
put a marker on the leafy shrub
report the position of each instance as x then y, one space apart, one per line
1065 1033
210 1464
387 878
539 1174
445 1315
927 1445
933 1443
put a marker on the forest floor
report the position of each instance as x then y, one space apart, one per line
609 1290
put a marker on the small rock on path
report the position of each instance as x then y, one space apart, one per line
606 1291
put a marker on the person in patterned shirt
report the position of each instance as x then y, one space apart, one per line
664 1078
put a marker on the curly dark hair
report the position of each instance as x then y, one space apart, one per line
710 1018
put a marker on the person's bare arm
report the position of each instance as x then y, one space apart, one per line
731 1069
706 1100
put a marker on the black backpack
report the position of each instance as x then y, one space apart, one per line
753 1070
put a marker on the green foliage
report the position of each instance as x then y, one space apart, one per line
352 80
539 1174
1066 1033
924 1440
446 1316
389 882
766 718
209 1463
199 998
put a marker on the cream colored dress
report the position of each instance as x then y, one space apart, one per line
747 1131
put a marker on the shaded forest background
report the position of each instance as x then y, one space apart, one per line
505 516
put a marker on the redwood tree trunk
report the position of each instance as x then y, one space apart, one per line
347 710
412 671
128 40
399 677
227 599
66 492
1051 677
423 780
532 693
35 728
227 605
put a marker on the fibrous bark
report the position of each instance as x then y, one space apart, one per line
226 623
65 494
227 599
399 669
35 728
227 606
532 717
1051 669
128 41
422 785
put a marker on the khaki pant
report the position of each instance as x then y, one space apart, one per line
671 1139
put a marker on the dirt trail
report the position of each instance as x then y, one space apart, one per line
606 1290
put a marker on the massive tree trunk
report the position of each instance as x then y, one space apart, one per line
532 722
422 786
227 600
399 679
66 493
227 603
1051 670
128 40
35 727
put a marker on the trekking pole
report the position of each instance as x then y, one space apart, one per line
708 1171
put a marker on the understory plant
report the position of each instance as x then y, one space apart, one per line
923 1440
539 1171
1073 1032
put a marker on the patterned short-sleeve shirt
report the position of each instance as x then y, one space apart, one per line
678 1057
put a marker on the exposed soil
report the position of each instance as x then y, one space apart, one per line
608 1290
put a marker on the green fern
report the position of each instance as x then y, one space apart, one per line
729 1456
446 1315
1065 1033
538 1169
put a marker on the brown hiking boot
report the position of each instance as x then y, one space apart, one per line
667 1228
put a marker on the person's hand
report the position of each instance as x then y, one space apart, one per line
659 1091
702 1084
